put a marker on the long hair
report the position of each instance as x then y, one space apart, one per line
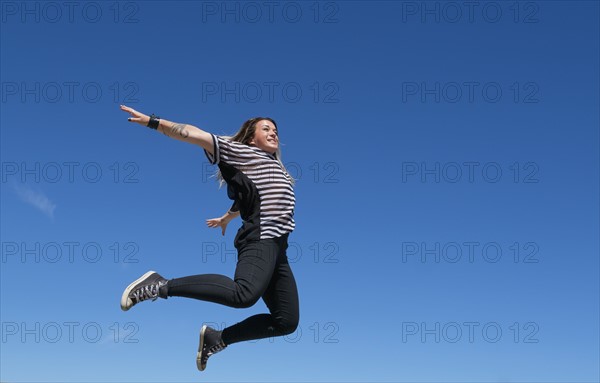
245 135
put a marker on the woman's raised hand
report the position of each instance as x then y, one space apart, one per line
136 116
216 222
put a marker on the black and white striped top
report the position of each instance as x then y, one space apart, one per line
260 188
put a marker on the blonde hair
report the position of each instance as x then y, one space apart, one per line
244 136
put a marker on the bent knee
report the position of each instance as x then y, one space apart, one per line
287 326
245 301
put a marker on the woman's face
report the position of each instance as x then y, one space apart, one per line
265 136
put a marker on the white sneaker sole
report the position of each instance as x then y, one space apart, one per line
125 297
199 355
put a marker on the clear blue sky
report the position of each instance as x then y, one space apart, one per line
447 164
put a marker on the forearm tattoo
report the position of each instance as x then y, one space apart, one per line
179 129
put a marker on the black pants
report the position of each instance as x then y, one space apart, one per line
262 271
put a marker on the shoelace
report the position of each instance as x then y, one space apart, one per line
214 349
146 292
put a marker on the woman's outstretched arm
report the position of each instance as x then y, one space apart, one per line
182 132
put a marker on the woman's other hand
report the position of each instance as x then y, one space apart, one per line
218 222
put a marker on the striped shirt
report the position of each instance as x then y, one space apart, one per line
259 187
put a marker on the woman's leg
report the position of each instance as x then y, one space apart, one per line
262 271
255 266
281 297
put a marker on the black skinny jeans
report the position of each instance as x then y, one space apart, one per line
262 271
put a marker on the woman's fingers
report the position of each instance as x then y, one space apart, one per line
135 115
212 222
129 110
216 222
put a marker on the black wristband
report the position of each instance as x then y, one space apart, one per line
154 121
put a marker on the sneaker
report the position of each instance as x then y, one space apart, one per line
145 287
210 344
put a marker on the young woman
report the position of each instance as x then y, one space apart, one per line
261 190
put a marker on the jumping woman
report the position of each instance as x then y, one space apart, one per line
261 190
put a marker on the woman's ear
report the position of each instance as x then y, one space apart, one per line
251 141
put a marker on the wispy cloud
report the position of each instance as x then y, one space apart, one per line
35 198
